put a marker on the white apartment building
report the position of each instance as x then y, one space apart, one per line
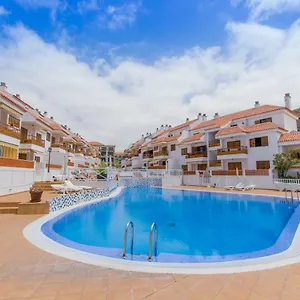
246 139
34 147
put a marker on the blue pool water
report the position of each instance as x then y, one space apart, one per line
189 223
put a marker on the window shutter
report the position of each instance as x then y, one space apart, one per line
264 141
257 122
252 143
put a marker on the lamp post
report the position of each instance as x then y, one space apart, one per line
49 151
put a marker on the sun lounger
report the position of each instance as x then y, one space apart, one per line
232 187
70 185
60 188
246 187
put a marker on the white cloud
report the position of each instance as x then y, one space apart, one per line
116 104
90 5
262 9
52 5
118 17
3 11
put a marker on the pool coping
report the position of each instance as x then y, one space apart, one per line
33 232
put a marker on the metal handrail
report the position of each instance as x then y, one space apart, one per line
130 223
153 227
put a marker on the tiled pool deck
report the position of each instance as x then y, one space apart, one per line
27 272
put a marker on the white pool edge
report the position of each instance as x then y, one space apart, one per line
33 234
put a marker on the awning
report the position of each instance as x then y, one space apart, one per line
8 145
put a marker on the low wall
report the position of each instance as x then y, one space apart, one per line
263 182
140 182
172 181
15 180
67 200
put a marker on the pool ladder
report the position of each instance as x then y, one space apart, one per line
130 223
153 228
292 195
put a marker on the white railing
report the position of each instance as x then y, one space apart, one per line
143 173
287 181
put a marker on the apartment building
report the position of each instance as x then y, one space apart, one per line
247 139
35 147
106 152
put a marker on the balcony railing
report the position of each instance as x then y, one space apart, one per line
215 143
10 130
33 140
145 156
160 167
215 163
196 155
70 164
161 153
61 146
16 163
78 151
229 151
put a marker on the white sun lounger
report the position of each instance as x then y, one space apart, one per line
60 188
246 187
232 187
70 185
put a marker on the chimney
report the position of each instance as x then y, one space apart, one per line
287 100
187 119
204 117
170 126
45 114
216 115
3 86
18 96
157 129
51 118
142 135
256 104
199 116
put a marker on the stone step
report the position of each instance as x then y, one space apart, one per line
9 204
8 210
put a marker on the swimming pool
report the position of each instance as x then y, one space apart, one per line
193 226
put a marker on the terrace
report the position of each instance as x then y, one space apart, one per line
10 130
27 272
33 140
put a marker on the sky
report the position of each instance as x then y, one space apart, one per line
113 70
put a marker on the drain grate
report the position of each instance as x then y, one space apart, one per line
171 224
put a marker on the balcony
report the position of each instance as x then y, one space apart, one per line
215 143
33 140
161 153
233 151
147 156
215 163
70 164
196 155
9 130
160 167
60 146
16 163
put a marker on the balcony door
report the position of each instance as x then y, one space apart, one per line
24 133
234 145
232 166
38 137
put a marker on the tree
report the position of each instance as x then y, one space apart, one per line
101 168
283 162
116 164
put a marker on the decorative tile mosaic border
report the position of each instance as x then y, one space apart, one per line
140 182
67 200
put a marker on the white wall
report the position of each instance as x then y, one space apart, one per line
14 180
172 181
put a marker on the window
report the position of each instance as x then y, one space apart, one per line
234 165
38 136
184 168
184 151
12 121
201 167
233 125
199 149
234 145
267 120
48 137
37 159
155 148
173 147
259 142
263 164
23 156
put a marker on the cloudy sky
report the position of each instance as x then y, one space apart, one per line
115 69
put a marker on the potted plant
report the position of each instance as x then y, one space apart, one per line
36 194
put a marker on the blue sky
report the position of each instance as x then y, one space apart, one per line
145 29
158 61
